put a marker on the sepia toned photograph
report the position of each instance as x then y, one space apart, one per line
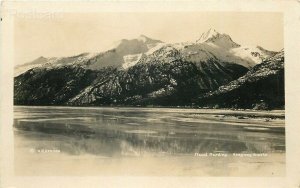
149 94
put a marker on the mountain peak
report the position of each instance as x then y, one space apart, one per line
217 38
143 38
207 35
146 39
38 60
212 32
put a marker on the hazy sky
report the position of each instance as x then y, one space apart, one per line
71 34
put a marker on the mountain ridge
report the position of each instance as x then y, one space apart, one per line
125 53
261 87
136 74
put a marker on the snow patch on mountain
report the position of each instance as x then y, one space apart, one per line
251 53
131 60
155 48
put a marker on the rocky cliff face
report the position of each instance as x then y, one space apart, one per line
262 87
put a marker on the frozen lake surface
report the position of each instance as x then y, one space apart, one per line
148 141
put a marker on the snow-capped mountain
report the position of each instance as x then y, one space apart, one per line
43 62
127 53
123 53
222 40
210 45
144 71
213 44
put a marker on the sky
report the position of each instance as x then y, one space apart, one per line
70 34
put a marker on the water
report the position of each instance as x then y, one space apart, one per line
141 141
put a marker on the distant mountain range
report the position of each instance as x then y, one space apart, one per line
146 71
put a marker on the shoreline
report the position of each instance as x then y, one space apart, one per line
239 114
153 106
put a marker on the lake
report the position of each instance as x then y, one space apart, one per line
148 142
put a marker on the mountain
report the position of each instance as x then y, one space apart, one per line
43 62
262 87
119 55
218 39
140 71
223 47
116 56
211 45
127 53
19 69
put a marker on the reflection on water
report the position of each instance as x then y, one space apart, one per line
121 132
